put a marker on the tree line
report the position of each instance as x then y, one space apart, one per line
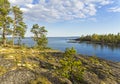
105 39
12 24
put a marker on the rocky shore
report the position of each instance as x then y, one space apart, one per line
28 66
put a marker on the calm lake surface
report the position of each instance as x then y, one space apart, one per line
61 43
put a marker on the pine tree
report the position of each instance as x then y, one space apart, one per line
39 35
19 27
5 20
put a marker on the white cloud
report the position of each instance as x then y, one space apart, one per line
20 2
29 5
114 9
59 10
24 9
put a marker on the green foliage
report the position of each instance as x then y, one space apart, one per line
5 20
9 42
41 80
39 35
19 28
105 39
42 41
94 60
69 52
71 67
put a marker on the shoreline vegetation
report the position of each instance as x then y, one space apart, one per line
20 64
107 39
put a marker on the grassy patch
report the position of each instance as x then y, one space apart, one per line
2 70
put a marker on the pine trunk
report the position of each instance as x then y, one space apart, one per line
3 35
13 33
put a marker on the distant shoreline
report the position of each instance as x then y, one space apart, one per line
92 42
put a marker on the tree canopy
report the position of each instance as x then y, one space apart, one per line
5 19
19 27
39 35
103 39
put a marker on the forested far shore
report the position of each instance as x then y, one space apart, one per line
39 64
110 39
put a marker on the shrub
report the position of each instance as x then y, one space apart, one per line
71 66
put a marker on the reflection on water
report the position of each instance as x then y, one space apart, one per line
61 43
103 51
102 46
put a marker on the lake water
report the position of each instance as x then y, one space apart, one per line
61 43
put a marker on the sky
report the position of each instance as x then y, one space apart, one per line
71 17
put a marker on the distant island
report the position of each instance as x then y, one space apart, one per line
106 39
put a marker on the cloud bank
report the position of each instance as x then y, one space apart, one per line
60 10
114 9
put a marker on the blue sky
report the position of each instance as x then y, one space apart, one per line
72 17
